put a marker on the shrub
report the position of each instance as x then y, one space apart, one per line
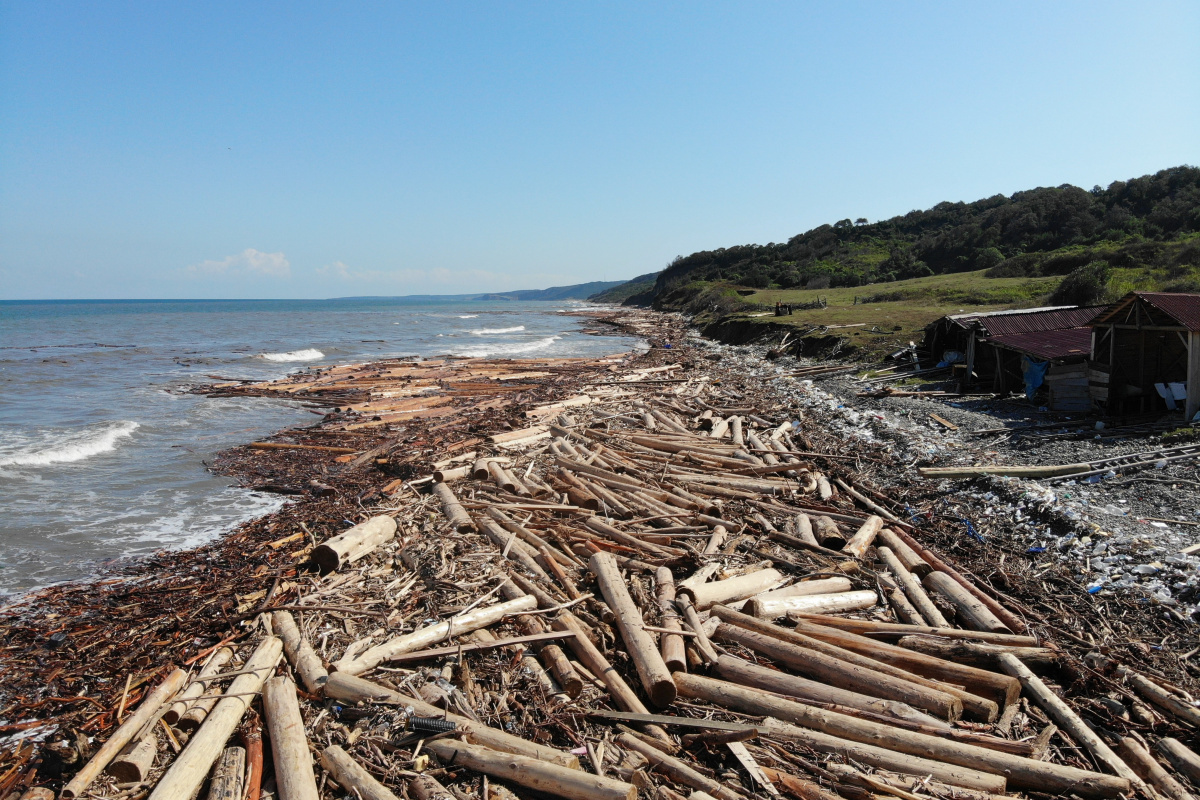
1083 285
1185 286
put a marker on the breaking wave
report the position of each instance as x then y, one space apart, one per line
311 354
467 316
485 331
65 447
507 349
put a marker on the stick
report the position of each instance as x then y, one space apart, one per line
289 742
125 734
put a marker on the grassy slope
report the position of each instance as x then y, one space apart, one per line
917 302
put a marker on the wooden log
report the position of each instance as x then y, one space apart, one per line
828 534
677 770
1149 770
1010 619
126 733
881 780
187 773
1067 719
824 488
432 634
198 686
906 555
289 742
352 777
452 474
136 761
500 477
351 545
731 590
974 613
819 603
458 517
35 793
868 627
1159 696
912 589
1047 471
616 534
517 550
845 675
1022 773
804 529
905 610
715 540
979 654
229 777
358 690
299 652
427 787
551 655
1182 758
806 588
972 704
530 772
864 537
670 646
639 644
735 670
1001 688
529 537
883 758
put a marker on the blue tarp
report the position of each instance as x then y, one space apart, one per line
1035 374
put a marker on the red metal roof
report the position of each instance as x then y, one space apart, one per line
1183 308
1034 321
1048 345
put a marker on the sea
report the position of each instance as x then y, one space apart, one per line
103 452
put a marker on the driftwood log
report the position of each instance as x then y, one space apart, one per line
289 742
351 545
530 772
352 777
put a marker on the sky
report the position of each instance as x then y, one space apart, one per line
289 150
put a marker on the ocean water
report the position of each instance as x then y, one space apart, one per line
102 455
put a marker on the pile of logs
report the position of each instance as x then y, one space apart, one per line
648 590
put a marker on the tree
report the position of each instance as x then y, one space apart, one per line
860 221
843 223
1083 286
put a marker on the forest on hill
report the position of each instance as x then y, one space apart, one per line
1153 221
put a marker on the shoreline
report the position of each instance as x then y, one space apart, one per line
260 564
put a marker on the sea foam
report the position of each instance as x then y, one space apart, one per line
311 354
63 447
507 349
485 331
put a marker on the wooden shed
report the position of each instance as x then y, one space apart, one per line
1141 345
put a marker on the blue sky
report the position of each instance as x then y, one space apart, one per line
322 150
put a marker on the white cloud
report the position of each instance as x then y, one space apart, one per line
339 268
247 262
416 280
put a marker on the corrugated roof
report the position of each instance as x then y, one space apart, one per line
1049 320
1183 308
1047 345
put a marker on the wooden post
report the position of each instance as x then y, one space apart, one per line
743 673
198 686
912 589
640 645
828 533
432 634
452 509
1160 696
135 763
1192 404
1022 773
731 590
903 608
883 758
289 741
907 556
229 777
972 704
355 690
1182 758
804 588
530 772
1066 718
1148 769
863 537
184 777
844 675
351 545
123 735
804 529
970 610
670 646
351 776
979 654
773 608
299 652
